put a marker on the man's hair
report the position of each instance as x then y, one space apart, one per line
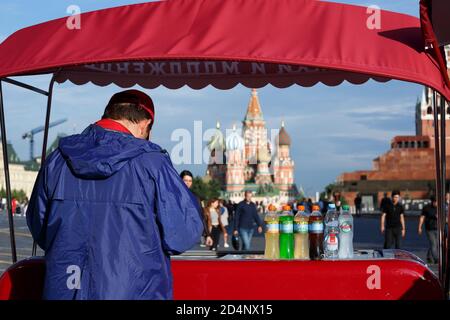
248 192
395 193
127 105
186 173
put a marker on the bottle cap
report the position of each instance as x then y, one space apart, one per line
272 207
315 207
331 206
301 208
286 207
346 207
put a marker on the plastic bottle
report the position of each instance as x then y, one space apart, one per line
315 236
331 218
301 221
286 233
272 250
331 245
345 234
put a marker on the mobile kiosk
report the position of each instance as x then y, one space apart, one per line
253 43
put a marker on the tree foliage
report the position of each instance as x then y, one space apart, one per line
206 191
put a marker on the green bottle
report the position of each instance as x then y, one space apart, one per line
286 233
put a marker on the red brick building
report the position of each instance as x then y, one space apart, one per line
409 166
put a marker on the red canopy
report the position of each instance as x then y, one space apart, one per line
223 43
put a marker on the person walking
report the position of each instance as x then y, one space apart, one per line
393 222
224 218
385 201
358 203
429 218
188 179
215 226
245 218
109 209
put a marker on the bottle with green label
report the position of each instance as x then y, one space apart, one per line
301 221
272 236
345 234
286 233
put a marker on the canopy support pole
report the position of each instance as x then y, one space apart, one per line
437 154
44 144
443 232
7 180
26 86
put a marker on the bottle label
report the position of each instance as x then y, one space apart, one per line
286 227
272 227
332 224
301 227
332 242
316 227
346 227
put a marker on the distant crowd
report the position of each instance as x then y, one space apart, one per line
18 207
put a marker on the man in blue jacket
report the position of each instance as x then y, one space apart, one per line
245 219
109 209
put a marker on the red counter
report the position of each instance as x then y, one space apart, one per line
399 276
402 276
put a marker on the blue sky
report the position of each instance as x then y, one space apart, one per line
334 129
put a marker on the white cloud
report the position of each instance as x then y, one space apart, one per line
388 110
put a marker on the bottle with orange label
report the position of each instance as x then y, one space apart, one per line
301 222
286 233
272 250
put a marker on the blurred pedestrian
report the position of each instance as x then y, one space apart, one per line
225 222
245 218
429 218
385 201
215 225
393 222
358 202
188 180
309 205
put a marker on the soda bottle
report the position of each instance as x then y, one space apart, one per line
345 234
331 219
286 233
315 228
272 250
301 221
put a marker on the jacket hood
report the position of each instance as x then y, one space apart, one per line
99 153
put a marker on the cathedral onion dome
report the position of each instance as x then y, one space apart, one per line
217 141
235 141
263 154
283 138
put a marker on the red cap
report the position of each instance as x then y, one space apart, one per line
137 97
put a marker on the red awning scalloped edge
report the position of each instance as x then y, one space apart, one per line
225 43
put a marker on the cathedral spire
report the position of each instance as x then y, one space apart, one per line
254 108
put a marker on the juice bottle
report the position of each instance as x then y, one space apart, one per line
286 233
272 250
301 221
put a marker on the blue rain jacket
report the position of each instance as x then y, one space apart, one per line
109 209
